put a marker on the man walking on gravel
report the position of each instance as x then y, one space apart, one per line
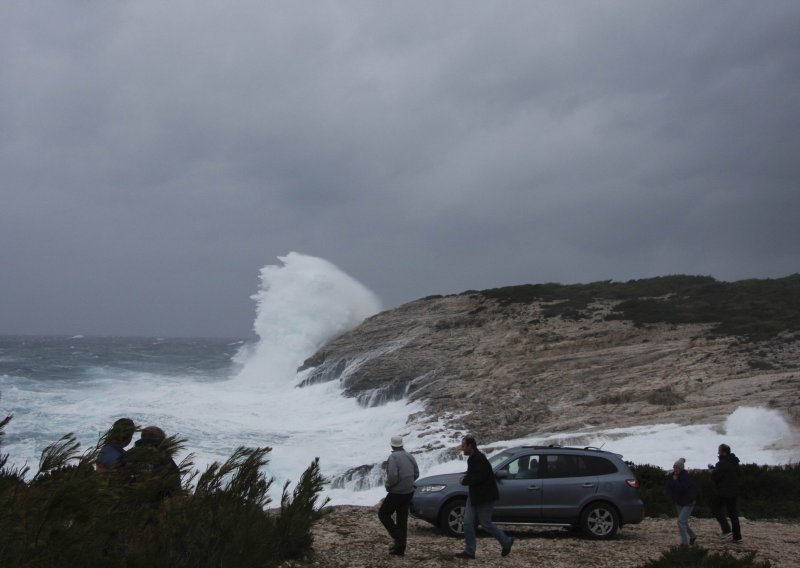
725 477
480 500
401 472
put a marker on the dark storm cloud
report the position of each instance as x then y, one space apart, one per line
155 156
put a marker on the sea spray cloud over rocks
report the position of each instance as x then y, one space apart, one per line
302 304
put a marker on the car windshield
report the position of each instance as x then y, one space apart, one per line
497 459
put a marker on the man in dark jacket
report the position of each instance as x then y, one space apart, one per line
725 478
680 487
401 471
150 466
480 500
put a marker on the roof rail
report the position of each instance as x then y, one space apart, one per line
562 447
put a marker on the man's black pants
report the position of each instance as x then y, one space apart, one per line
719 506
397 504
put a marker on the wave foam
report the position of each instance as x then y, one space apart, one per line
301 305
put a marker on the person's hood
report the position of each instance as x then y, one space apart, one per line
732 458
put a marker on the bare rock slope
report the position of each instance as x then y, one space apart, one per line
503 369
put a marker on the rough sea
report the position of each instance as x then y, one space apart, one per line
220 394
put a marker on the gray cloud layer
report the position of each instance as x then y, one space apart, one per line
156 155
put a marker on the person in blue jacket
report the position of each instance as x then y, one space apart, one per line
119 436
680 487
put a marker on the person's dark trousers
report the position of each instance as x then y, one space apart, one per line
397 504
722 504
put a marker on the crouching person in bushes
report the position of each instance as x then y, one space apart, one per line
150 465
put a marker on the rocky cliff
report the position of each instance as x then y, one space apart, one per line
518 361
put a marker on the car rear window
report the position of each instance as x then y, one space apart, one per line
596 465
570 465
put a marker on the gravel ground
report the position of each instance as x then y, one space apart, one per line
353 537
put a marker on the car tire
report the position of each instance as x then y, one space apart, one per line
599 521
451 519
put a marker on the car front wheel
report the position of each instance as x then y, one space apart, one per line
600 521
451 521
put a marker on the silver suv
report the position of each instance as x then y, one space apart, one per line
584 488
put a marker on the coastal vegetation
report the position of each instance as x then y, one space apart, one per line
765 491
69 514
699 557
755 309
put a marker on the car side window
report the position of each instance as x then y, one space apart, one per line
525 467
559 465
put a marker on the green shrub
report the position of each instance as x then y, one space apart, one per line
755 309
760 365
68 514
682 556
765 492
664 396
652 487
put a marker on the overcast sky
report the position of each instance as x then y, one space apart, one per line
155 155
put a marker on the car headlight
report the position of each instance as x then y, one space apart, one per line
431 488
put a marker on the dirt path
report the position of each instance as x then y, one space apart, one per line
353 537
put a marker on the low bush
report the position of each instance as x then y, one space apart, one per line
68 514
682 556
765 492
755 309
664 396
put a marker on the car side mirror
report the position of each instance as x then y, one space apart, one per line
502 474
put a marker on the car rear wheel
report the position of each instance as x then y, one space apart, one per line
600 521
451 520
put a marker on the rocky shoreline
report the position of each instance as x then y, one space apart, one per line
352 537
472 361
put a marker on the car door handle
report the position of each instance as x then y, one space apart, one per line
588 485
533 488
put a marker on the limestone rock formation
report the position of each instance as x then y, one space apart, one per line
506 369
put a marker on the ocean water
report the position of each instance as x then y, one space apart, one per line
223 393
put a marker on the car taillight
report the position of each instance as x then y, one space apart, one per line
632 483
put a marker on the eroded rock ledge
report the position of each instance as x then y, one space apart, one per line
504 370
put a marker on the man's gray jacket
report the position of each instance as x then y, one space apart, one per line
401 471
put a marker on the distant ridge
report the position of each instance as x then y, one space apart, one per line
757 309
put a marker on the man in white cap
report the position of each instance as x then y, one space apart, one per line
401 472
